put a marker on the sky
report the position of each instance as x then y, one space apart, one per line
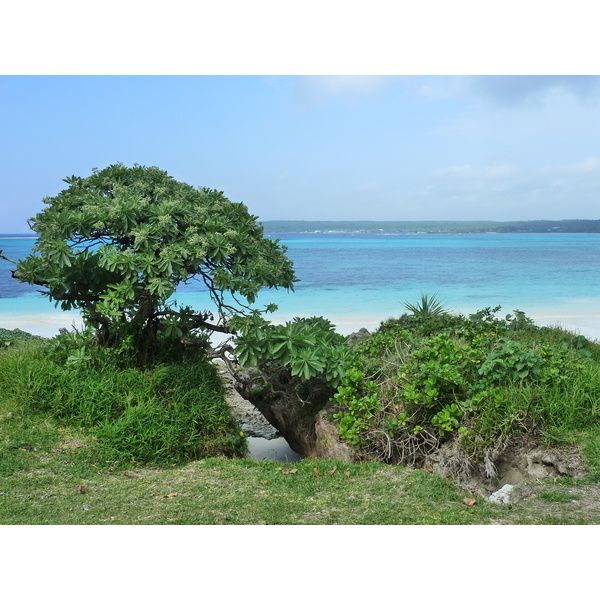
411 147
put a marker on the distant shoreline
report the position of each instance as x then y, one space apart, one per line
283 226
18 236
429 227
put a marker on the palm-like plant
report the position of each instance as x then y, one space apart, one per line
428 306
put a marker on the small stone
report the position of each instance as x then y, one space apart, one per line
502 496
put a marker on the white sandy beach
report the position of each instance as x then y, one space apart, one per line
584 322
44 324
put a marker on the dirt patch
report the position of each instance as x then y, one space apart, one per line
553 502
517 464
140 473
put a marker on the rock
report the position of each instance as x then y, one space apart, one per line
328 442
314 437
248 417
285 414
503 495
358 336
308 431
311 432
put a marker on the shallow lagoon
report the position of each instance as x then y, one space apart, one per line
358 280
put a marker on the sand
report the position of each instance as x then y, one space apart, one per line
584 322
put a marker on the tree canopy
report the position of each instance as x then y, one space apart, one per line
117 244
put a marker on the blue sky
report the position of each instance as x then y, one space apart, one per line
316 147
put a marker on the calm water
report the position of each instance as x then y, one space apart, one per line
357 280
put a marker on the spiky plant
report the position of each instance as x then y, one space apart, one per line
428 306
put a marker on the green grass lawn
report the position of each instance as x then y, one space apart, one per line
48 476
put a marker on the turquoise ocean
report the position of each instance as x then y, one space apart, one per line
358 280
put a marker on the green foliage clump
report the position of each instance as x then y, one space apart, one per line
481 380
117 244
305 356
362 403
308 347
11 337
167 413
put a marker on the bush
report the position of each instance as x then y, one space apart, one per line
421 381
304 358
10 337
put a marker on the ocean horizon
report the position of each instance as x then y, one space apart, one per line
359 280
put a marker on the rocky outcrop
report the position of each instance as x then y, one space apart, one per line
358 336
310 435
327 438
313 433
249 418
314 436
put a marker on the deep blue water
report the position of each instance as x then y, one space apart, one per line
355 275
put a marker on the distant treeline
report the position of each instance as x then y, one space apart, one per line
568 226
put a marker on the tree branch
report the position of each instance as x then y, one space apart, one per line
8 259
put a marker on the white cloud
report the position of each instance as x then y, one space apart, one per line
503 192
589 165
342 84
508 91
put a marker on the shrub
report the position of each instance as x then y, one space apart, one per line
304 358
480 381
10 337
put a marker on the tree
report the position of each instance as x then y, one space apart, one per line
117 244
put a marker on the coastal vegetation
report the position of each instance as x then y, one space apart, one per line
166 413
55 470
432 381
86 430
480 383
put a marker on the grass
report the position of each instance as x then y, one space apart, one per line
557 496
43 466
165 414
